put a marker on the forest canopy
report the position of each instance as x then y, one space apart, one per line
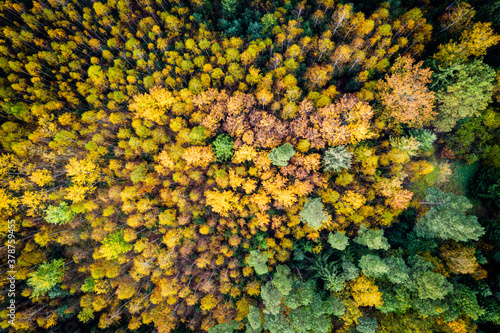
250 166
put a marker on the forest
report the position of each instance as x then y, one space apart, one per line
258 166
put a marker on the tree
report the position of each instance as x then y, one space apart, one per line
338 240
46 277
313 214
336 159
272 299
473 42
447 218
223 147
254 318
373 266
459 259
365 292
115 245
258 260
59 214
282 279
281 155
424 136
367 325
430 285
487 186
398 271
462 90
406 95
373 239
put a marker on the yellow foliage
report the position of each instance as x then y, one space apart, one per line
199 156
208 302
244 153
83 172
365 292
154 105
221 202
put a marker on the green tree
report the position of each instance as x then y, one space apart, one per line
398 271
257 260
272 298
447 218
487 185
424 136
59 214
282 279
313 214
254 318
336 159
223 147
115 245
462 90
367 325
372 265
338 240
229 8
430 285
373 239
225 327
282 154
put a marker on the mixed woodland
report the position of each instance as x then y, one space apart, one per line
272 166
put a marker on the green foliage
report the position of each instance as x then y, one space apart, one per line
447 218
223 147
466 302
282 154
88 285
254 318
430 285
268 22
313 214
487 186
424 136
139 173
373 239
282 279
306 293
225 327
491 311
229 8
334 306
336 159
338 240
301 319
431 307
328 271
367 325
115 245
272 298
46 277
372 265
396 300
463 89
398 271
198 135
349 269
59 214
257 260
